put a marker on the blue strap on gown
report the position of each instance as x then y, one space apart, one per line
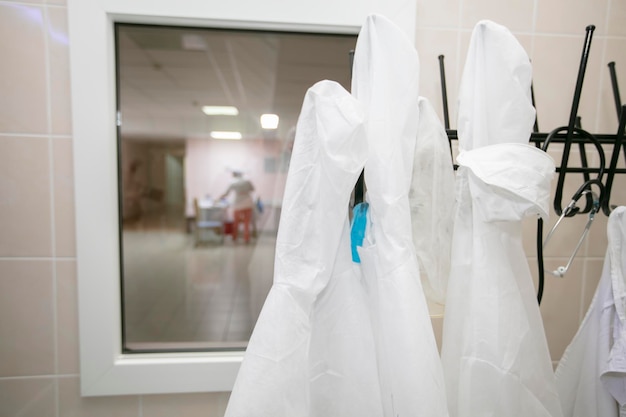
357 230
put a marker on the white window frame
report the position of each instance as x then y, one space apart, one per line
104 369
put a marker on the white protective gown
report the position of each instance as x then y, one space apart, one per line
494 351
432 202
337 338
385 81
312 351
591 376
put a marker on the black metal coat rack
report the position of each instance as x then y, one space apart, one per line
569 135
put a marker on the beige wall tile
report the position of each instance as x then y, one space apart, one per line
617 195
596 77
26 318
555 151
526 41
573 181
571 17
617 15
23 103
58 46
25 197
64 224
72 404
565 237
621 163
596 239
594 154
588 107
186 405
67 317
560 306
618 191
615 51
554 79
430 44
593 272
517 15
464 42
608 121
441 14
529 236
33 397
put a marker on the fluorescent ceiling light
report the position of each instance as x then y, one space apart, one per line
193 42
269 121
226 135
220 110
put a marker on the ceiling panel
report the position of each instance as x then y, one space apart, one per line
168 74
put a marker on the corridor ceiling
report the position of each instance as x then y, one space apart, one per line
166 75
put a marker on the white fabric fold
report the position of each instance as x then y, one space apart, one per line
494 351
336 338
497 106
311 352
385 81
431 198
509 181
591 376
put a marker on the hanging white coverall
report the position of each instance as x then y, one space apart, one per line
311 353
591 376
494 351
385 81
337 338
432 202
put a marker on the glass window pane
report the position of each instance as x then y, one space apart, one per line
201 180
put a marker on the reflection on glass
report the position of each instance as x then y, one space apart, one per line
201 180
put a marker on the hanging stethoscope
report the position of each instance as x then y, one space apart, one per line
573 132
595 192
594 199
571 210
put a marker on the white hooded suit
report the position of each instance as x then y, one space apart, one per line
337 338
494 352
385 81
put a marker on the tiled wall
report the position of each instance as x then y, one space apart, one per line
38 319
553 33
